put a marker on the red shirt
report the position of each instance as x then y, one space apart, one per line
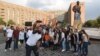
16 33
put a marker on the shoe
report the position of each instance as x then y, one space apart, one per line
5 50
71 49
63 50
68 51
75 53
10 49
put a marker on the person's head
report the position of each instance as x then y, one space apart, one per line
11 27
71 30
76 30
78 2
17 28
22 30
83 31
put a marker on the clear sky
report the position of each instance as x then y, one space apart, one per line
92 6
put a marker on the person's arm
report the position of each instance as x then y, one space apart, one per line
39 42
74 9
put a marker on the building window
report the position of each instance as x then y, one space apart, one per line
2 15
2 9
2 12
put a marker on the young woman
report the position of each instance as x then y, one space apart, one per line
46 39
9 35
85 43
63 40
56 37
21 36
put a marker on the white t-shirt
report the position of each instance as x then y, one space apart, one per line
51 34
63 35
56 40
21 35
9 33
44 31
4 28
33 39
29 33
85 39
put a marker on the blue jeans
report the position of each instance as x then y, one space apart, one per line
77 16
46 43
64 44
15 43
85 48
67 46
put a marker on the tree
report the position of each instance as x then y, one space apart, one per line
11 22
91 23
2 22
98 19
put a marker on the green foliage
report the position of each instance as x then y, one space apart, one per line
98 20
11 22
93 23
2 22
63 23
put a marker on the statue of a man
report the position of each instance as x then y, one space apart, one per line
77 13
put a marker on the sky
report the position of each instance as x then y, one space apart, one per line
92 6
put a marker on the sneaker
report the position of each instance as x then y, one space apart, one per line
68 51
10 49
5 50
75 53
63 50
71 49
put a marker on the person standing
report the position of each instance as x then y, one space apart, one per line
9 35
32 42
47 39
67 36
85 43
73 40
63 40
21 36
25 34
29 33
16 37
77 13
4 30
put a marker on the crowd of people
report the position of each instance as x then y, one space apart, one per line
68 39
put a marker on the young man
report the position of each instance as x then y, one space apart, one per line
16 37
34 41
9 34
31 44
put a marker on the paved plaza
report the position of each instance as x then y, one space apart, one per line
94 50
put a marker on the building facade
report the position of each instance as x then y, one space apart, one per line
21 14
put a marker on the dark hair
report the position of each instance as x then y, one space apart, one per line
36 31
77 2
84 32
11 27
